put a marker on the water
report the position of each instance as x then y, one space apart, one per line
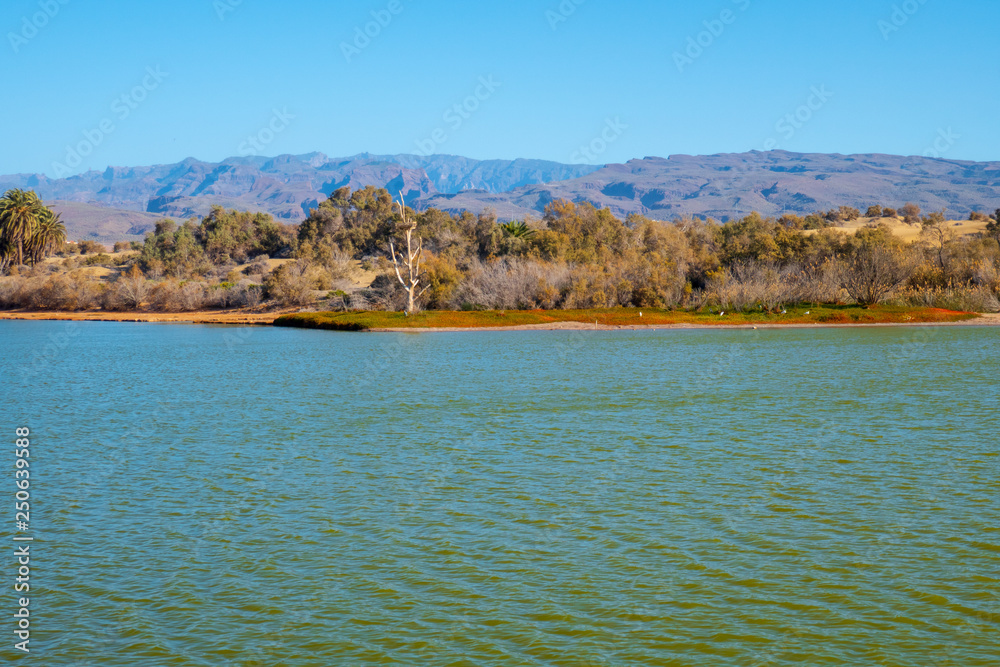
226 496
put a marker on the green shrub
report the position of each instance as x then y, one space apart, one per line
101 259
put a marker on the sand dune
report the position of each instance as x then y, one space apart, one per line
910 233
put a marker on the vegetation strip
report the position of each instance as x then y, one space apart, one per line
361 251
617 317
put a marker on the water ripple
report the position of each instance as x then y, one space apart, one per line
821 497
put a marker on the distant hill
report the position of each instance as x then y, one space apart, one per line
102 224
286 186
104 205
730 185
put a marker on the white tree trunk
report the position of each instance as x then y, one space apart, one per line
408 264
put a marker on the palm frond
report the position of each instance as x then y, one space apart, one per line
517 230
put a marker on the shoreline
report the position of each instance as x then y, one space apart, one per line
246 318
985 320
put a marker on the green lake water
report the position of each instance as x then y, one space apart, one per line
257 496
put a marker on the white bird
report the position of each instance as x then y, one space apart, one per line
722 313
784 312
808 311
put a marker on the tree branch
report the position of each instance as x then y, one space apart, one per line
395 264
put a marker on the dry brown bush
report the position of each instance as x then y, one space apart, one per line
258 267
249 295
753 286
511 284
589 287
385 293
241 295
191 296
129 292
873 273
910 213
14 292
91 247
56 293
334 261
819 283
165 296
291 284
53 292
970 298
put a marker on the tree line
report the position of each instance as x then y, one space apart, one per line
362 249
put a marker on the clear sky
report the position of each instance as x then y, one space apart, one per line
578 81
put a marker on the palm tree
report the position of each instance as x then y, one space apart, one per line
5 255
49 235
20 213
518 230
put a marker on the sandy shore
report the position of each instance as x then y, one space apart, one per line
196 317
245 317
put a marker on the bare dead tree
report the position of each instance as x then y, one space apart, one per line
410 262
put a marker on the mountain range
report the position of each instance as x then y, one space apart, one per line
125 202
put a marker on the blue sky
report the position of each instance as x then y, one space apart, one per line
132 83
